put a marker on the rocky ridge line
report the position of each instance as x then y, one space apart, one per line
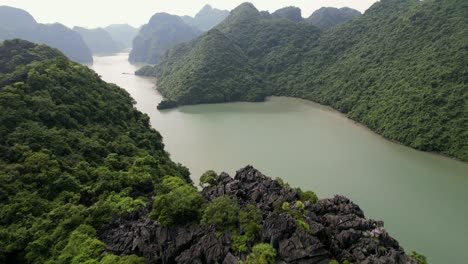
338 229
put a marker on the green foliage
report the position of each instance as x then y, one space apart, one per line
281 182
222 212
170 184
400 68
309 196
251 221
327 17
112 259
239 243
334 261
181 204
73 151
82 246
262 254
303 224
420 258
300 205
208 179
285 206
220 72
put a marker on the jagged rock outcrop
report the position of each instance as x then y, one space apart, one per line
338 229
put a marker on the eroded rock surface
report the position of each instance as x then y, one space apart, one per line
338 229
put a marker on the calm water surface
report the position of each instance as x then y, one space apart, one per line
421 196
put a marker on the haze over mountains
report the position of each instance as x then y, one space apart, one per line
122 34
206 18
98 40
108 40
17 23
164 31
400 68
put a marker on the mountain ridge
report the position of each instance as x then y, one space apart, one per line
364 68
17 23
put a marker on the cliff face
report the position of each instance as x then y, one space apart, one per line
321 232
161 33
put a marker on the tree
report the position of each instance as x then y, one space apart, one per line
182 205
262 254
222 212
208 179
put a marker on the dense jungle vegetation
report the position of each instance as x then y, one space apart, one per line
74 153
401 68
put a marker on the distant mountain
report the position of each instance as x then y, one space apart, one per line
123 34
16 19
292 13
400 69
327 17
161 33
207 18
17 23
98 40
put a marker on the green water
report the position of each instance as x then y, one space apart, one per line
421 197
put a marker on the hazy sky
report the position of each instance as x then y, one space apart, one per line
94 13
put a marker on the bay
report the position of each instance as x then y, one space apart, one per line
420 196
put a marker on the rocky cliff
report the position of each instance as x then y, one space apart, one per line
321 232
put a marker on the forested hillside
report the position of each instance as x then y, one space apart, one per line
74 153
17 23
327 17
400 69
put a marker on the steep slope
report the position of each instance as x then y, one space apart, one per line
327 17
15 19
17 23
248 210
207 18
74 153
98 40
269 46
213 57
161 33
122 34
400 69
